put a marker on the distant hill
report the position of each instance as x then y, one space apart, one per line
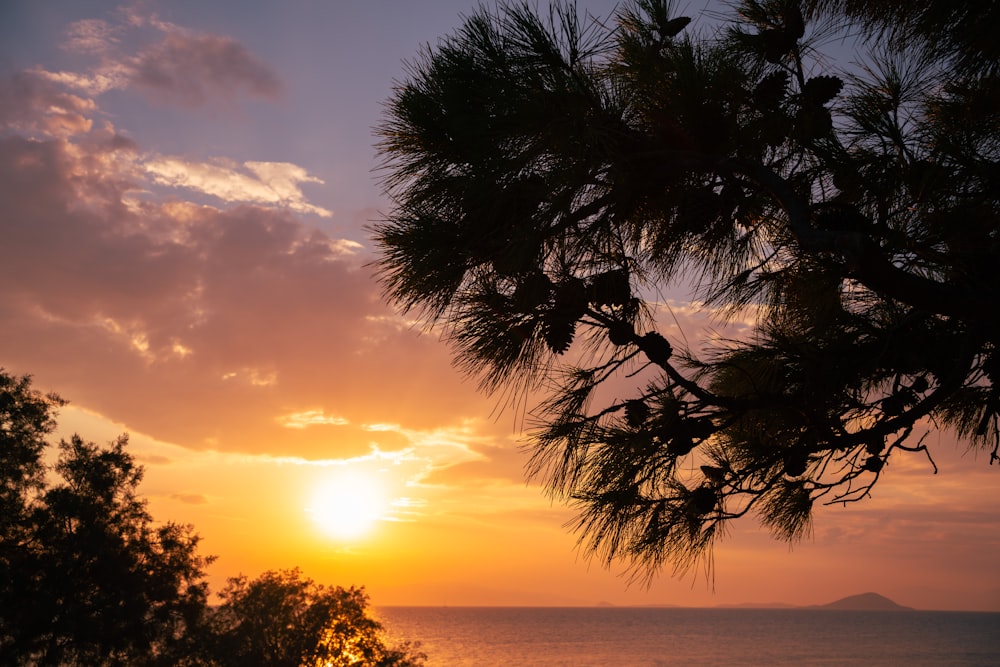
863 602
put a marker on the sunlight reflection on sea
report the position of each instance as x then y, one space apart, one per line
653 637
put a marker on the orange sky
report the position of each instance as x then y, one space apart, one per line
184 258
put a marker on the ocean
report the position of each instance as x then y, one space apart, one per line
652 637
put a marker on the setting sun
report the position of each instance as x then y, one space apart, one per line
347 506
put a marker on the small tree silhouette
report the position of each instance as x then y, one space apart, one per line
86 575
282 619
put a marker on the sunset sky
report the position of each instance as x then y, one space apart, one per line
184 193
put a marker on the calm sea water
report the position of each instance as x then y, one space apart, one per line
620 636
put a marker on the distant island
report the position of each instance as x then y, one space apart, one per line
861 602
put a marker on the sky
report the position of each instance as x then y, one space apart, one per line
185 193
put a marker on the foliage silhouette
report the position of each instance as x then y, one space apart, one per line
281 618
553 176
86 576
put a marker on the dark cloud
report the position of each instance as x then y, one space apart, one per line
170 64
192 69
190 498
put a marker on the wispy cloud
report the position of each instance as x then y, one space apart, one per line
274 183
109 77
190 498
92 36
169 63
300 420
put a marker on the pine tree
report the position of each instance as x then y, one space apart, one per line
553 174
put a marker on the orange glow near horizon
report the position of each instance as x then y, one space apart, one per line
414 531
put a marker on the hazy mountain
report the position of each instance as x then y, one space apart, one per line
758 605
863 602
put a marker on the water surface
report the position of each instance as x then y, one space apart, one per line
642 636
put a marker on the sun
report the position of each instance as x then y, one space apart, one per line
347 506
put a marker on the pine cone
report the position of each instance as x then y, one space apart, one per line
821 89
771 90
657 349
558 329
636 412
703 500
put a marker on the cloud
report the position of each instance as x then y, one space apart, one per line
30 104
206 326
301 420
275 183
34 103
153 459
169 63
190 69
190 498
91 36
110 77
